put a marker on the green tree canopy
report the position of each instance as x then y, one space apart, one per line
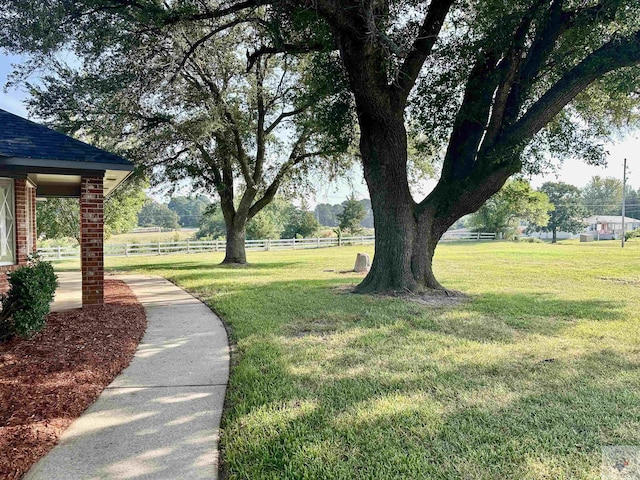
300 223
350 219
184 107
154 214
603 196
189 209
60 217
516 202
568 212
632 200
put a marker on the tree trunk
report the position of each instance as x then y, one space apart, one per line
553 235
405 241
235 250
407 233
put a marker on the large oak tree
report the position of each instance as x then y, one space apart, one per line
492 84
180 100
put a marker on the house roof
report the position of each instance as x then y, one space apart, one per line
53 160
22 138
610 219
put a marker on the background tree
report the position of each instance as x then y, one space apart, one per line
186 108
300 223
516 202
212 224
603 196
327 214
121 208
60 217
189 209
632 200
350 219
154 214
270 222
568 212
494 85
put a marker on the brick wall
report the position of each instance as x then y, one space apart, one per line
91 238
22 188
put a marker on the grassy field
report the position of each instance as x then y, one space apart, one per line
153 237
527 379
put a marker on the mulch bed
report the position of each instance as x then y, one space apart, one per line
49 380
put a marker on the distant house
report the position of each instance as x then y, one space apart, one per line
609 226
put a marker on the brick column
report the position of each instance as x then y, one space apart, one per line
34 228
22 221
91 239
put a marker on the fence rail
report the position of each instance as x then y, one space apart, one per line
198 246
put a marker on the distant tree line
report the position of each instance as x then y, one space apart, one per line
328 214
556 206
280 219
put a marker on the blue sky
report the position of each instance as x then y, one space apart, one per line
572 171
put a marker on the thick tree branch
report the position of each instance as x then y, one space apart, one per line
470 122
284 115
174 18
422 46
222 181
261 135
291 48
295 157
615 54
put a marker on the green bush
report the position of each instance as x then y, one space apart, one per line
632 234
530 240
26 305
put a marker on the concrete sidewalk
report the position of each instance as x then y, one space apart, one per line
159 419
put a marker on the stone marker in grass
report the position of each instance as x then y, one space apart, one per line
363 263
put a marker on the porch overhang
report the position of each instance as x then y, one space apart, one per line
62 178
61 166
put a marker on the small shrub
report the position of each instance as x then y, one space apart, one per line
531 240
632 234
26 305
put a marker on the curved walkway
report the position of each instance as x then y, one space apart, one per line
159 418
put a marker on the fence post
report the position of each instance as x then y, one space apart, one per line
126 249
59 253
362 240
215 247
294 242
318 242
339 240
267 245
158 248
188 246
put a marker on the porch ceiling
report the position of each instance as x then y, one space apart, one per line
58 185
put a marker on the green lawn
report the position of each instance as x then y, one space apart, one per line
525 380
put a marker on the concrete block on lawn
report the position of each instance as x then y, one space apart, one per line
363 263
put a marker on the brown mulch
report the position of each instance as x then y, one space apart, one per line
49 380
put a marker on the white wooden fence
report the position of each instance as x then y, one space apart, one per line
198 246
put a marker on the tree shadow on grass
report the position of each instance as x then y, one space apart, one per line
453 421
200 265
321 308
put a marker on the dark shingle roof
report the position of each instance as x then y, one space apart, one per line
21 138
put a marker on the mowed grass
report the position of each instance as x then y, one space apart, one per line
153 237
525 380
